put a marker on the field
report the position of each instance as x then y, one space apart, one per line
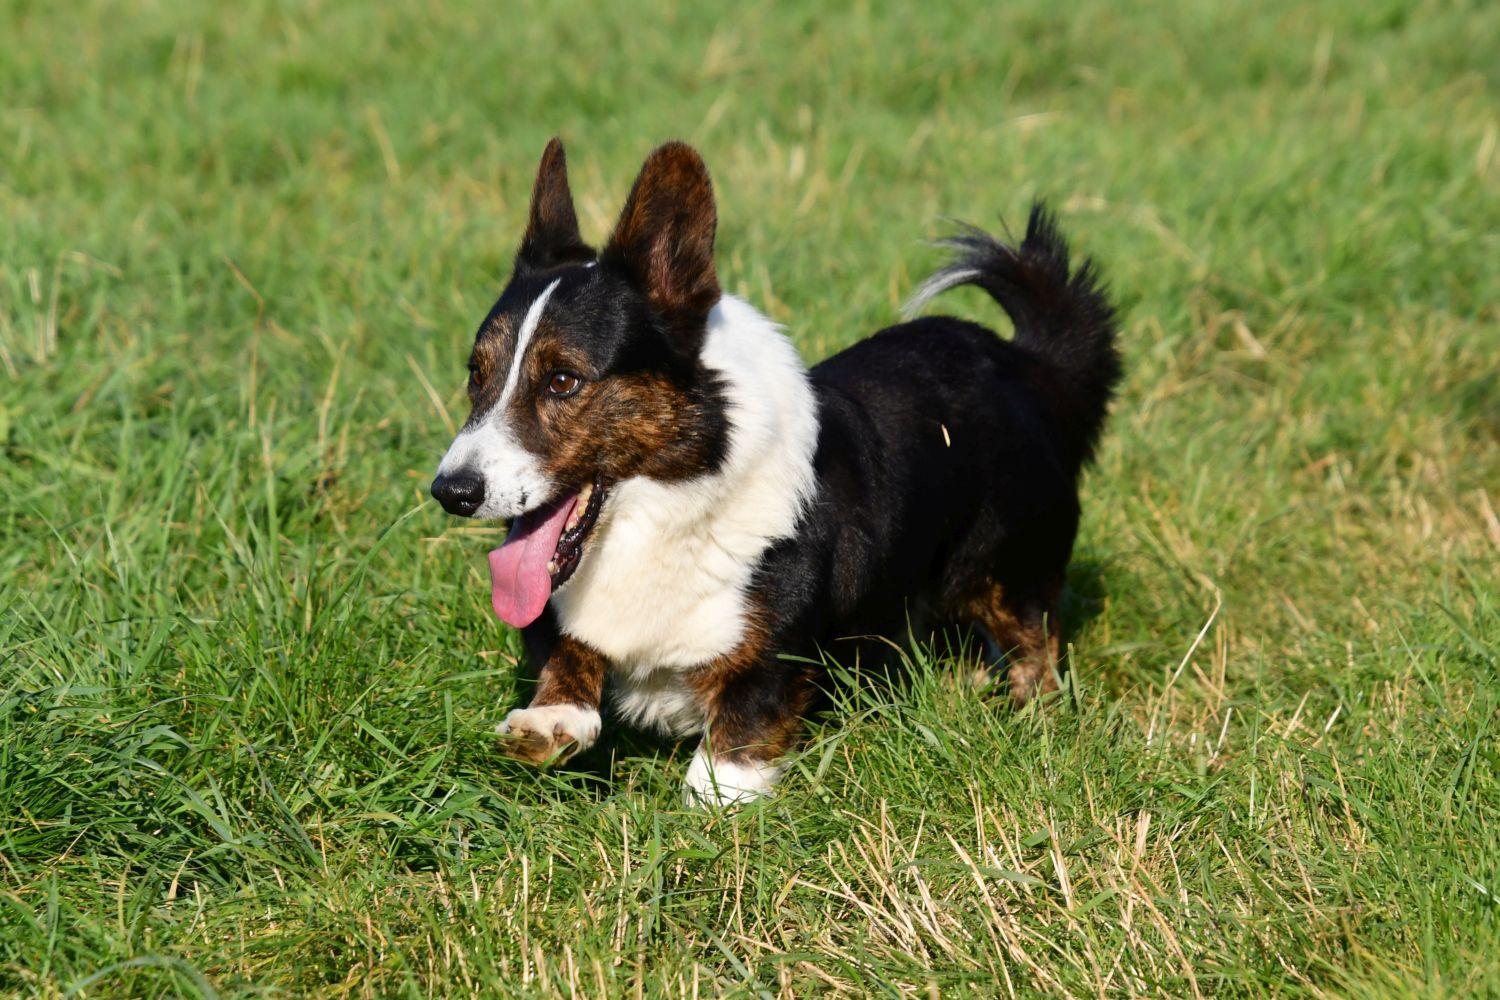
248 673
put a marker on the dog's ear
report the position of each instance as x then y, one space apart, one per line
664 241
552 236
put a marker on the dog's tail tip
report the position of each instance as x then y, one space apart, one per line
978 258
971 250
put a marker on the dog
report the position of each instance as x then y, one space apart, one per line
701 523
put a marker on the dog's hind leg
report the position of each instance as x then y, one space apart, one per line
1022 623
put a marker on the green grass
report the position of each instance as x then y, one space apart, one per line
248 675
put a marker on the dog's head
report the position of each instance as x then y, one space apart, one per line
586 371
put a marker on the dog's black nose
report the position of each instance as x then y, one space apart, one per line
460 493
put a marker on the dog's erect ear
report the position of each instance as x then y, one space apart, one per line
664 240
552 236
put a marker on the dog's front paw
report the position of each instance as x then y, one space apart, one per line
718 782
549 732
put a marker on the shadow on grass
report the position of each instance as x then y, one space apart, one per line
1082 597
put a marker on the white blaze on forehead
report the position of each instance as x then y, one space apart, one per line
514 481
523 337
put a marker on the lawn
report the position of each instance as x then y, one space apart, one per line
248 673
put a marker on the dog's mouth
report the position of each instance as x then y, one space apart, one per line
587 503
542 552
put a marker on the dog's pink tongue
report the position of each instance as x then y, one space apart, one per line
519 581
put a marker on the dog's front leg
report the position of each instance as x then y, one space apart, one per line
755 716
563 717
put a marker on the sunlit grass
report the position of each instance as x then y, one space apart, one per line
248 675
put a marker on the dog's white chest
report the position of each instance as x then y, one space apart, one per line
657 593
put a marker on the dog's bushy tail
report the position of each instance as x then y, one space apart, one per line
1061 315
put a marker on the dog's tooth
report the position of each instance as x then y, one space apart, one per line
551 566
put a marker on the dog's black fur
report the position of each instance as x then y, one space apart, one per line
947 463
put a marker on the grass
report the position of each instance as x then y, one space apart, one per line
249 674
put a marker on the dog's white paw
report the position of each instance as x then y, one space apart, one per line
549 732
720 782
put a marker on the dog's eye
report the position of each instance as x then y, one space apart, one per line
563 384
474 374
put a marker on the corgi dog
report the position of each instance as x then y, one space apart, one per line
699 522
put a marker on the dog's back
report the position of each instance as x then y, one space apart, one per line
948 457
